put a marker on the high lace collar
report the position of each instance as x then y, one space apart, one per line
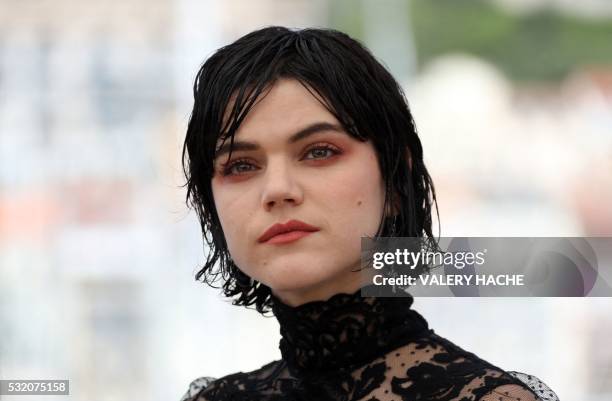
344 332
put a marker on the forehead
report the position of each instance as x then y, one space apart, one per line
281 109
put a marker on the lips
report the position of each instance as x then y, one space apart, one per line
291 225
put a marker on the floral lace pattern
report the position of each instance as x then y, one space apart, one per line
354 348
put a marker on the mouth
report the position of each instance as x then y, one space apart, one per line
291 231
288 237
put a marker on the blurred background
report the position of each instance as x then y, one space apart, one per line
513 102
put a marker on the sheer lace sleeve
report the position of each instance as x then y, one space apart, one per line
196 387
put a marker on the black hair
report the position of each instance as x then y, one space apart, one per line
354 87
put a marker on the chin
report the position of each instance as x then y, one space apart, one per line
293 282
293 277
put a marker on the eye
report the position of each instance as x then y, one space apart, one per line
237 167
323 151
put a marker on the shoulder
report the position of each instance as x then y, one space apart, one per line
471 377
208 388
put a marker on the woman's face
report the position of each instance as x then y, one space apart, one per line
291 160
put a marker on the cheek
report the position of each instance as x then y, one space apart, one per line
367 185
358 198
367 205
230 211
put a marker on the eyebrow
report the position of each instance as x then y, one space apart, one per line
305 132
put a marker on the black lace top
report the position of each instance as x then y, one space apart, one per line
353 348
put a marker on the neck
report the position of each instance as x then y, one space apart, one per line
320 292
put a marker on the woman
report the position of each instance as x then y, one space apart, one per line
299 144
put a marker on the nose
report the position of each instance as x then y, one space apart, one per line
280 187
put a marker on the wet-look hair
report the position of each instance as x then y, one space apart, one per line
362 95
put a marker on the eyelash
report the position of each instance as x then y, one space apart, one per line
226 169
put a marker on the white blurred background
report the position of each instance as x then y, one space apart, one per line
513 102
